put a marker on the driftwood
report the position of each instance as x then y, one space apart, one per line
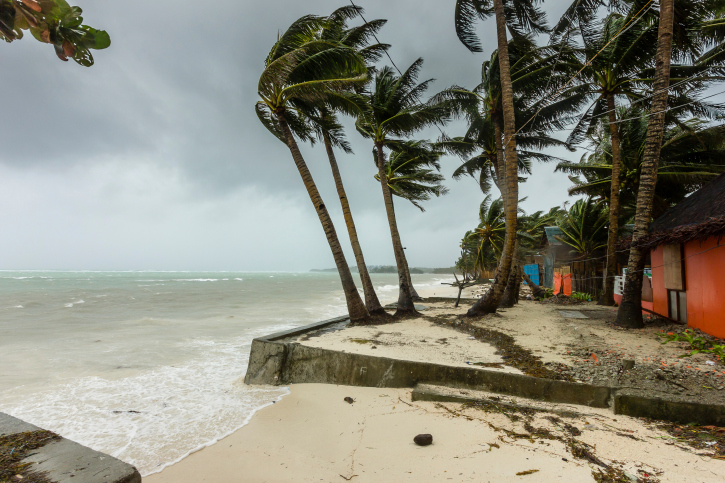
461 284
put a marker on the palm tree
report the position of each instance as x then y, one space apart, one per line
684 31
691 155
585 232
611 61
394 109
524 16
303 70
412 171
584 227
321 117
532 68
489 235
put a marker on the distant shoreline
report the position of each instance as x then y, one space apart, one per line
393 269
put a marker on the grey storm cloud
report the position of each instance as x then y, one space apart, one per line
159 141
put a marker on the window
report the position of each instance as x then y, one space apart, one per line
674 267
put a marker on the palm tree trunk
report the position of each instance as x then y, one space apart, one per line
355 306
519 279
509 294
490 301
405 300
413 292
500 166
630 311
371 299
607 297
536 291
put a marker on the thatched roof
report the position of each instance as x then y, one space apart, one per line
698 217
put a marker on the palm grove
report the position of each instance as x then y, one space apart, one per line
627 81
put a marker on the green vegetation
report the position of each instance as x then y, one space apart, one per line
53 22
599 81
698 344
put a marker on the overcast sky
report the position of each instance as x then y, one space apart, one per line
154 159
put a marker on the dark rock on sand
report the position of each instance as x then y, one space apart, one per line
423 439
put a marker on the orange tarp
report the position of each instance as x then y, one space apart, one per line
562 282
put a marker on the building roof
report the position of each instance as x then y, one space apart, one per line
698 217
551 233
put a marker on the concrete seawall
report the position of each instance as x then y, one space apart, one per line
278 359
65 461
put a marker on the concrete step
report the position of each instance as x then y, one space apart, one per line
65 461
437 393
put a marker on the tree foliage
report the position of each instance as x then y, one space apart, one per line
52 22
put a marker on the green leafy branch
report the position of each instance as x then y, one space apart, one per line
52 22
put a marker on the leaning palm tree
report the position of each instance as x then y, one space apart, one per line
303 70
321 117
394 109
412 171
524 16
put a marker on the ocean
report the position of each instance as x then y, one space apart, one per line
149 366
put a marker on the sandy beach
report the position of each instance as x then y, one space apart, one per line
314 435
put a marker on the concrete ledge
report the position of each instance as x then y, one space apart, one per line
669 410
272 362
67 462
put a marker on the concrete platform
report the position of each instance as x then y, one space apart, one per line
68 462
279 359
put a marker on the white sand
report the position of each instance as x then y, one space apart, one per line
411 340
313 435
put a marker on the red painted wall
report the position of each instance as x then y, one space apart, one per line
704 283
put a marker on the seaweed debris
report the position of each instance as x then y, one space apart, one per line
513 354
710 438
14 448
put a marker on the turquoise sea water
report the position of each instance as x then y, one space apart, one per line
148 366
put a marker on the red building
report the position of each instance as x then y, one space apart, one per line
687 246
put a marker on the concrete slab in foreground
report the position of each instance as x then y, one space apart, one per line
67 462
278 359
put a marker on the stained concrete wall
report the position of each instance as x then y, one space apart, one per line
279 360
274 360
68 462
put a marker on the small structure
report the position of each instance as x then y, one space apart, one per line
688 260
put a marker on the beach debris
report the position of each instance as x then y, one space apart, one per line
423 439
349 400
527 472
14 448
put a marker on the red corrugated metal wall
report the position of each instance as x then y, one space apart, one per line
704 283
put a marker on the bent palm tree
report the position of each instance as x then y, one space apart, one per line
394 108
523 16
301 69
412 174
323 120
